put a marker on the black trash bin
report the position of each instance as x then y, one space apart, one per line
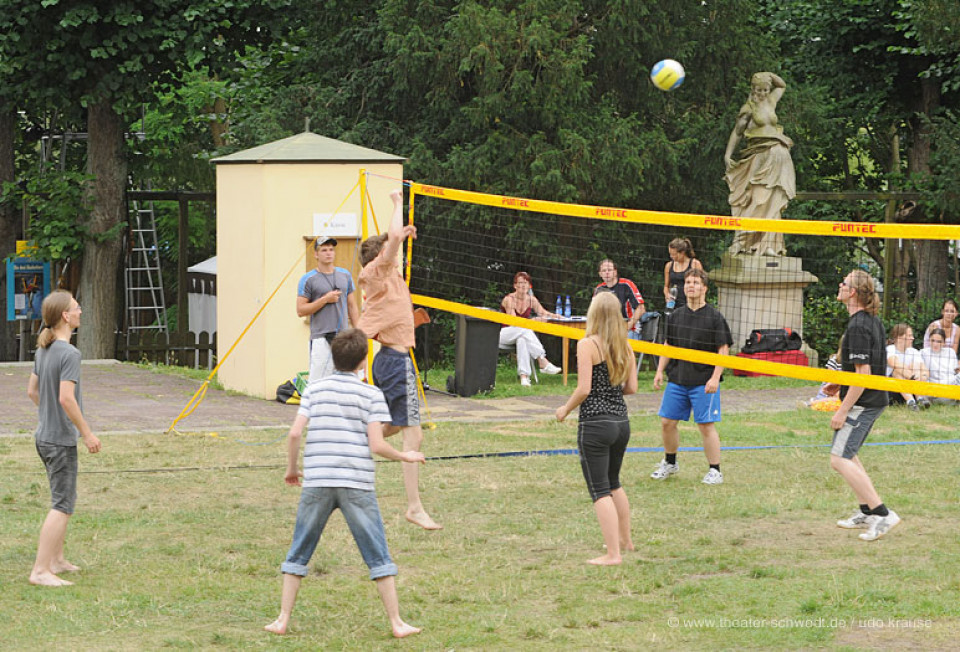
477 344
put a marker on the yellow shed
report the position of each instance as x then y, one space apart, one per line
271 201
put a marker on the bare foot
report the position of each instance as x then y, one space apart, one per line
277 627
47 579
606 560
63 567
403 630
423 519
627 546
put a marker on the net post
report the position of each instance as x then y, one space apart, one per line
413 193
888 262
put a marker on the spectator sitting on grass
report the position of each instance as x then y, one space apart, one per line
941 362
905 362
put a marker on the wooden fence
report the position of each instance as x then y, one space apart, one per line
182 349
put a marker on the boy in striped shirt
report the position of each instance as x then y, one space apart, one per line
344 418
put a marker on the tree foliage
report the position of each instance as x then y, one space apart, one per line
107 58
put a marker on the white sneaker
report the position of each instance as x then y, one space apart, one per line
881 526
550 369
713 477
664 470
524 381
859 520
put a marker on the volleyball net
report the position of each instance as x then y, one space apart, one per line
471 244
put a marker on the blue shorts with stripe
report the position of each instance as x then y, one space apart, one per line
679 400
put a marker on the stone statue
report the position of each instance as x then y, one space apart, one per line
763 181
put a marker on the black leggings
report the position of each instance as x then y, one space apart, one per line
602 441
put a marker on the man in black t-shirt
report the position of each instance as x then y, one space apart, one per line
862 351
692 385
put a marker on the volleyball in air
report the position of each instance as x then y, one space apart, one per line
667 75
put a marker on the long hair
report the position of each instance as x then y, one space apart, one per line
683 246
896 332
605 320
52 309
866 292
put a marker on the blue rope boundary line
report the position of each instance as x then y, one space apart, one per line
685 449
543 453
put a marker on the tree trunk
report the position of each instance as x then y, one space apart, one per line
101 254
933 258
9 228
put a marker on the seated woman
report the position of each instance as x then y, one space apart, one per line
905 362
941 362
522 303
947 316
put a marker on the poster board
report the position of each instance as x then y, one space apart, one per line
28 283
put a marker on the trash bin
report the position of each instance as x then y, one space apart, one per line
475 364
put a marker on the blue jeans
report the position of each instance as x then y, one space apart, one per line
362 514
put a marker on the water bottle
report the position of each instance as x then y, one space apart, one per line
559 308
566 308
671 304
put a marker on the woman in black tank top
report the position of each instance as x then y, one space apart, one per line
682 258
606 370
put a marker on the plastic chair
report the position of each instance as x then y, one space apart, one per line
650 331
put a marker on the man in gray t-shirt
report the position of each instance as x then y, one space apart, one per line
57 363
54 387
325 294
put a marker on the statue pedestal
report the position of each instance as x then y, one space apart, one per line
762 292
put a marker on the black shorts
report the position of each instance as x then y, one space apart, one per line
602 442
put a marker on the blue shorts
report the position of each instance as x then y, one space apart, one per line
393 374
679 400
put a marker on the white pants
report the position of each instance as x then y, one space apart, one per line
528 346
321 359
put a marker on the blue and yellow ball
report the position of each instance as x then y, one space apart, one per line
667 75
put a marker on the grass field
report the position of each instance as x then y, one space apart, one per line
181 538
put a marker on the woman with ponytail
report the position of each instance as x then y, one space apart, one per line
606 370
862 352
54 387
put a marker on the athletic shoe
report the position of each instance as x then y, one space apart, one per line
923 402
912 405
524 382
664 470
713 477
858 521
550 369
881 526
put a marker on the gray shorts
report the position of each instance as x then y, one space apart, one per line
61 464
848 440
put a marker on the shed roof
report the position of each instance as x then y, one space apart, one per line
308 147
